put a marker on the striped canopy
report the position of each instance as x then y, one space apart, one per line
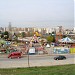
66 40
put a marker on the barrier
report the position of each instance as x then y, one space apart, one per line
61 50
72 50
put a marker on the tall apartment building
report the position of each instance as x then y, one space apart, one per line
59 29
1 29
9 27
74 29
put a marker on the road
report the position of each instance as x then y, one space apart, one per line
35 60
35 57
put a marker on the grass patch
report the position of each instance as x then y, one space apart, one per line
50 70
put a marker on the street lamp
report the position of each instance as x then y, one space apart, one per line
27 44
28 59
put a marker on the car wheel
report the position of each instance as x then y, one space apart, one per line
56 59
18 57
64 58
11 57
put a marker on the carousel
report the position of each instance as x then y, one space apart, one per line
67 42
66 45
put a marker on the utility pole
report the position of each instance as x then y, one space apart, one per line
27 46
28 59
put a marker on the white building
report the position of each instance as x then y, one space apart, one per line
74 29
50 30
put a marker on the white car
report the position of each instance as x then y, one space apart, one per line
31 50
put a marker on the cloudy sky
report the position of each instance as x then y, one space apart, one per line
37 13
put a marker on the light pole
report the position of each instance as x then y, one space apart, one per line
27 44
28 59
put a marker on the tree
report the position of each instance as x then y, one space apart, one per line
2 35
19 35
53 39
37 34
50 39
53 32
6 35
23 34
31 33
15 38
64 36
28 34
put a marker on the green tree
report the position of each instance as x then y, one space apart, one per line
19 34
2 35
64 36
15 38
23 34
28 34
31 33
50 39
53 39
6 35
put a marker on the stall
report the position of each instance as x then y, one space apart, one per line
66 41
61 50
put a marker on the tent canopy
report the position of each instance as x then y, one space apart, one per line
47 45
66 40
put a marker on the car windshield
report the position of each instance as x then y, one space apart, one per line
61 56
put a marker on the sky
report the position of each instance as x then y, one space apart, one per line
74 13
37 13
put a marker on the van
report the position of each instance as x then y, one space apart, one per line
31 50
14 55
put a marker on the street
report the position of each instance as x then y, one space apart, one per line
35 60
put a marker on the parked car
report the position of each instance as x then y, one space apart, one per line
61 57
31 50
2 51
14 55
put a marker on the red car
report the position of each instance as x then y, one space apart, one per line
14 55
